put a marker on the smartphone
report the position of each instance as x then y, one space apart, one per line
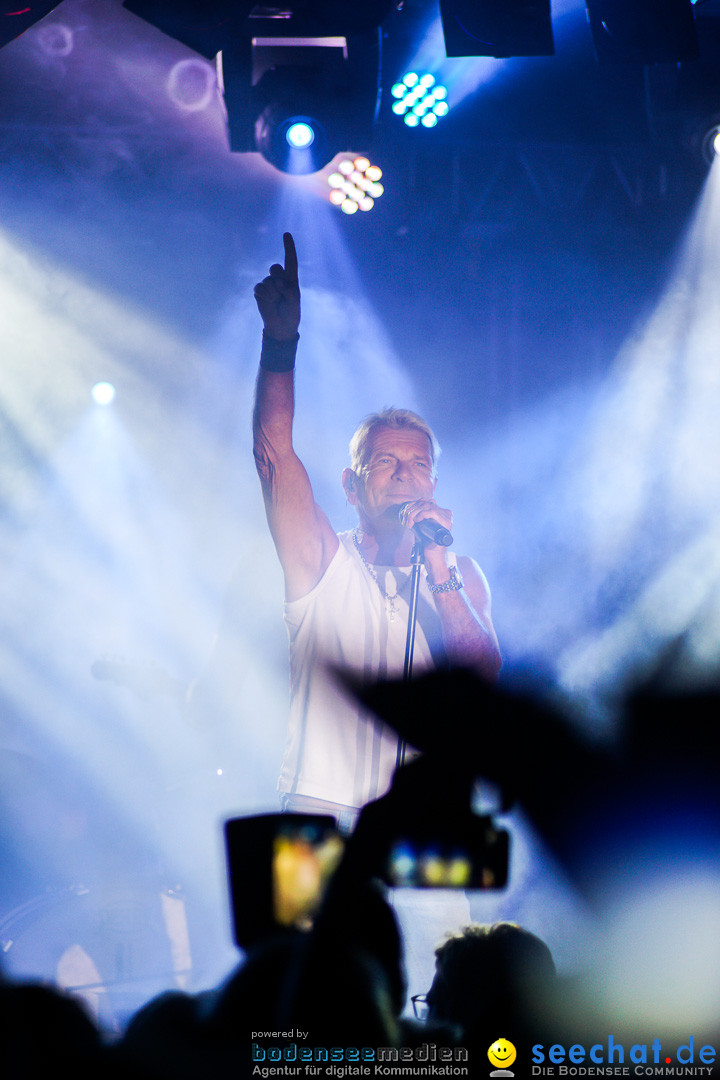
279 866
472 853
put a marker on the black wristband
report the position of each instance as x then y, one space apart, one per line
278 355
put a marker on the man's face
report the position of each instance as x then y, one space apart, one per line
398 468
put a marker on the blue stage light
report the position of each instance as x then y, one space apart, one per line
419 99
300 135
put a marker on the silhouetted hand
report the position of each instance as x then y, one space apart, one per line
278 296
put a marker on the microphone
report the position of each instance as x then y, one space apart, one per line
427 529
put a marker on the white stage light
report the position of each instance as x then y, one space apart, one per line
103 393
355 185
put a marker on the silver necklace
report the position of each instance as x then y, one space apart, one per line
390 600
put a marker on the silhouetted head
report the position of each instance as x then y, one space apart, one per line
487 973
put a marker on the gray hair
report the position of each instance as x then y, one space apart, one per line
390 418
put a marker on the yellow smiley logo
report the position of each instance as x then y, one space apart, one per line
502 1053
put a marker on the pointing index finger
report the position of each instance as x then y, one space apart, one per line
291 262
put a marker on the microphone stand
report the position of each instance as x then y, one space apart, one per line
416 561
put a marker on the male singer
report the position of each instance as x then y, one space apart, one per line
346 595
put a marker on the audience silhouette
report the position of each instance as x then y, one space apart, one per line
342 979
493 980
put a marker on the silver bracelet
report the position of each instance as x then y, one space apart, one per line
453 585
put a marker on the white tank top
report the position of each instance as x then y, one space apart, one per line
336 750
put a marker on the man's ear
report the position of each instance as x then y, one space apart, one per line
350 483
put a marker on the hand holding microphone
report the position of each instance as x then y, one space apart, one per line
428 530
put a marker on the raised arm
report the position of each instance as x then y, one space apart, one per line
303 537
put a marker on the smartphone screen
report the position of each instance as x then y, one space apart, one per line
278 868
472 856
305 855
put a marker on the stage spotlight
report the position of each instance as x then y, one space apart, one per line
643 31
103 393
301 102
355 185
497 27
300 134
300 81
296 126
419 99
